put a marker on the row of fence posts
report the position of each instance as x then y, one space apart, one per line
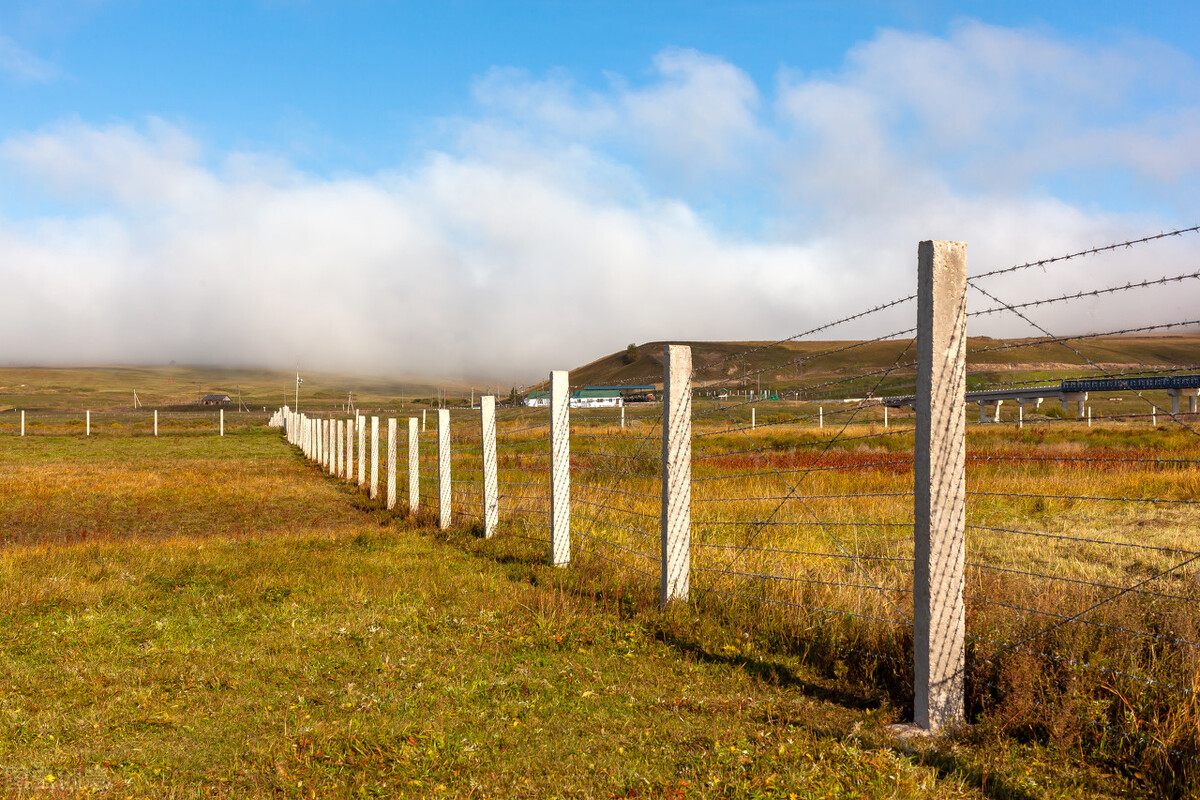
87 424
939 476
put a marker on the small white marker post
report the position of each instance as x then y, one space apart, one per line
156 422
1154 416
391 463
22 422
414 466
422 420
222 422
885 419
821 417
622 416
88 424
374 457
753 419
1020 415
1089 416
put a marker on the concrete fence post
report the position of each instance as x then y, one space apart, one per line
391 463
23 420
821 416
348 475
443 458
361 423
622 416
491 487
88 424
676 528
374 457
335 446
560 470
222 422
423 420
939 513
339 432
326 439
414 466
753 418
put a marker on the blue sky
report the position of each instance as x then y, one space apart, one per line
501 171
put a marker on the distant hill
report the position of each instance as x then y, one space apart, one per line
829 368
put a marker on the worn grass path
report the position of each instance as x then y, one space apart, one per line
271 633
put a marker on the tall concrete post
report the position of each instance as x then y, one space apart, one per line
362 449
676 528
339 433
374 457
335 448
391 463
443 457
939 618
349 473
560 470
414 466
491 487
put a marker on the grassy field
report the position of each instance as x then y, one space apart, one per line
208 617
801 544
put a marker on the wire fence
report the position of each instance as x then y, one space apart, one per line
129 422
1079 548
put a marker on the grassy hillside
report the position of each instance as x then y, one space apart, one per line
791 366
112 388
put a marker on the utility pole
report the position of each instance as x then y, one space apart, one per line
299 381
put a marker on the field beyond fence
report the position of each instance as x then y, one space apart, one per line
1070 556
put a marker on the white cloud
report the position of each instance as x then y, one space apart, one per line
697 114
23 65
561 223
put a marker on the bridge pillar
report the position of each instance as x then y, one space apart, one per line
996 418
1190 394
1080 400
982 411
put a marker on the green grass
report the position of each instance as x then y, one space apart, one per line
205 617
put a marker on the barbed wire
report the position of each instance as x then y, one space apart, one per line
1086 252
1082 294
